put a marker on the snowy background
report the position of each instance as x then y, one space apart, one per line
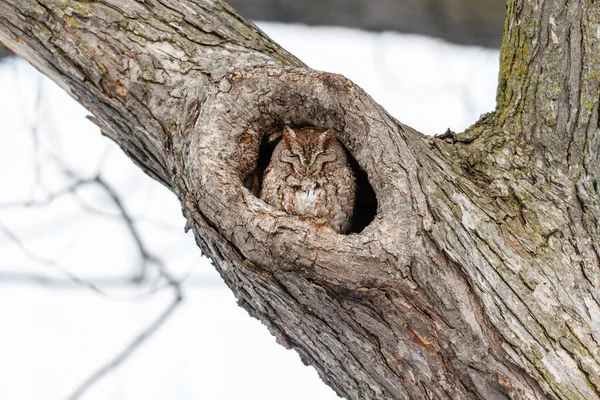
69 302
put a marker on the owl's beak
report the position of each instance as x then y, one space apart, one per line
301 170
313 170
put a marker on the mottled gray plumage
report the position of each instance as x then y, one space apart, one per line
309 175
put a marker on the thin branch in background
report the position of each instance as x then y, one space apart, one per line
11 277
145 255
96 285
147 260
72 189
100 282
34 129
103 157
34 257
93 284
50 197
122 356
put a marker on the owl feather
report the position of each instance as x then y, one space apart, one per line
309 176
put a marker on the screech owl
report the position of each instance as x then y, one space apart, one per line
309 175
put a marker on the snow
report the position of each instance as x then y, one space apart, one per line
52 338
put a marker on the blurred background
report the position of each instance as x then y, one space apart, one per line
103 296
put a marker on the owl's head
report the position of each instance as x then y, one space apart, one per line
308 149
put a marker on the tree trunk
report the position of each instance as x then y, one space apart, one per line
4 52
479 275
459 21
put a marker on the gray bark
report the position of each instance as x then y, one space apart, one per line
4 52
478 277
461 21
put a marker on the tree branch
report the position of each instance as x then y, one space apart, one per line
477 277
549 83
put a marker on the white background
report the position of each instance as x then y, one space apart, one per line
53 336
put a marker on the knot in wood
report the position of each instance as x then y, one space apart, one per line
249 105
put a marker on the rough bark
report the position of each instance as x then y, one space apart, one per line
3 52
478 277
461 21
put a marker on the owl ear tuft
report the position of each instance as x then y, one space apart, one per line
289 133
325 136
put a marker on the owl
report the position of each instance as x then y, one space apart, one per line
309 176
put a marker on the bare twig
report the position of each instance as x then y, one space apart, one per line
147 259
130 349
34 257
11 277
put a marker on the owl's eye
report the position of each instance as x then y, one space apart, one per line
289 157
287 153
